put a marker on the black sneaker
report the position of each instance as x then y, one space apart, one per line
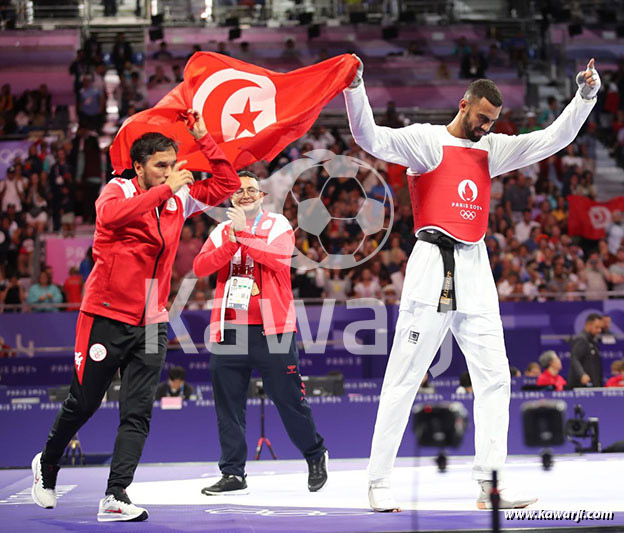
317 472
227 485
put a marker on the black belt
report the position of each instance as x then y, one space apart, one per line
446 244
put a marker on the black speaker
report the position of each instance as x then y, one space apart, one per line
357 17
575 29
314 31
543 422
234 33
156 34
157 20
440 425
231 21
391 32
305 18
619 31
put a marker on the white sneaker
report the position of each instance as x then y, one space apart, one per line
44 482
120 509
381 498
507 500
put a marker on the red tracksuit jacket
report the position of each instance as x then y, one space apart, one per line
271 249
136 238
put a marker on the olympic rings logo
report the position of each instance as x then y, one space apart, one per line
467 215
8 155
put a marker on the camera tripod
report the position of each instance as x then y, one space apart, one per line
263 438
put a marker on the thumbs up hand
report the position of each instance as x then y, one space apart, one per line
588 81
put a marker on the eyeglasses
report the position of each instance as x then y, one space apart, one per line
251 191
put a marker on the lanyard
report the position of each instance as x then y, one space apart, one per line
256 222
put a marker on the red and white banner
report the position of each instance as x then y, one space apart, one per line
251 112
589 218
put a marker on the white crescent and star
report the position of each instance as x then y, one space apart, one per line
247 102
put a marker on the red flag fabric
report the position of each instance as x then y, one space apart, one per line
251 112
588 218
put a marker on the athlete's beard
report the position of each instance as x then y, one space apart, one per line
469 131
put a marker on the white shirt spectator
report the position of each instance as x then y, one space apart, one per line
523 230
397 279
571 161
505 289
11 191
322 142
615 234
337 288
596 285
370 290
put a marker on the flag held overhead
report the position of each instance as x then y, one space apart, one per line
252 113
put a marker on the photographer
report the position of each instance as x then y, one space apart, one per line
251 254
585 362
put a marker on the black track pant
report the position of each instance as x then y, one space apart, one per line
103 346
231 372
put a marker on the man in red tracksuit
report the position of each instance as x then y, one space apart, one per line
138 226
251 254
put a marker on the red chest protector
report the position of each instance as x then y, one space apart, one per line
455 196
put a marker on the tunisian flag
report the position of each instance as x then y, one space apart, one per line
252 113
588 218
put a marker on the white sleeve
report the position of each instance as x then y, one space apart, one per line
191 205
216 235
281 225
409 146
511 152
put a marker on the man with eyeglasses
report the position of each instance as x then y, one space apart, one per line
253 326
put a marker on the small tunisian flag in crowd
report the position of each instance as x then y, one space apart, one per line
588 218
251 112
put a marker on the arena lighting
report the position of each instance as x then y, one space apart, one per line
544 422
440 425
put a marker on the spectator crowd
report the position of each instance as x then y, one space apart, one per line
54 188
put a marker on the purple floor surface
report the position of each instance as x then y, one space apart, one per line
292 509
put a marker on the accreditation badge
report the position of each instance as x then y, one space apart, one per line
239 292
